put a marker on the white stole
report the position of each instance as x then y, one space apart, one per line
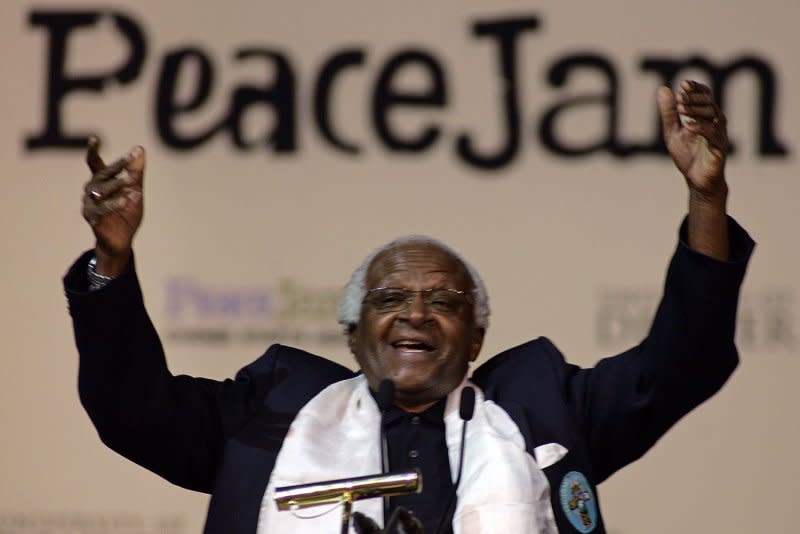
336 435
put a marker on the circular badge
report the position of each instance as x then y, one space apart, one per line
578 502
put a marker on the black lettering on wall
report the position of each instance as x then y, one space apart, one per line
168 108
506 32
558 75
387 96
191 67
322 96
280 97
60 25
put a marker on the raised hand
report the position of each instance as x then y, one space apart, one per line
112 205
698 144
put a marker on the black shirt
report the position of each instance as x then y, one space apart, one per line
417 440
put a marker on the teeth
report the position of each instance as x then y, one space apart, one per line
412 346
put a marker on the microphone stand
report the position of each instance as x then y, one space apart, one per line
466 410
385 399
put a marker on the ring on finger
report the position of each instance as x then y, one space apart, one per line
95 194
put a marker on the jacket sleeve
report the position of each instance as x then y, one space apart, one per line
175 426
627 402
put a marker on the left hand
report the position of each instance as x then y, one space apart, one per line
699 145
407 521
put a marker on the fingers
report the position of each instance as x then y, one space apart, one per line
110 179
93 159
112 170
710 131
409 522
364 525
135 165
133 162
701 115
696 102
102 187
93 210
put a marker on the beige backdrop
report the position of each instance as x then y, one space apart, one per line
240 248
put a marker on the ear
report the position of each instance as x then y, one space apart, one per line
477 343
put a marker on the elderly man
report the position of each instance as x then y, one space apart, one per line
543 434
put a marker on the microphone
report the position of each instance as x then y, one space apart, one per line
385 399
466 409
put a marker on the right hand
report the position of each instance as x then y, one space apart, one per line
112 205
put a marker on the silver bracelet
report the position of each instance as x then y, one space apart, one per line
96 281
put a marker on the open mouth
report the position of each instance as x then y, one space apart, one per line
406 345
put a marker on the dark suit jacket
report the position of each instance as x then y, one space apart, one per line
223 437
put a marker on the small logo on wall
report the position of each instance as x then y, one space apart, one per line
767 318
578 502
290 312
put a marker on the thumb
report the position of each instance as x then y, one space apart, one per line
668 107
135 165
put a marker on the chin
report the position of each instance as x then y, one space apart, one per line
418 392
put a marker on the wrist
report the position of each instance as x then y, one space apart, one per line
110 265
710 199
708 222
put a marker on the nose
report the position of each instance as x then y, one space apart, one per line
417 313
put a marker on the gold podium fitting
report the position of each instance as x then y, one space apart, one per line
348 490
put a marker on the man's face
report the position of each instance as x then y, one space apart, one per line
424 352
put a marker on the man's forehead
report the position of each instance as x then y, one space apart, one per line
421 257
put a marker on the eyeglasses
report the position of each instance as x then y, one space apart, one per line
441 300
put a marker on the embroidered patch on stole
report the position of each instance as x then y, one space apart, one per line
578 502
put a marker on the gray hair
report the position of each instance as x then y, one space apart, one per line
356 288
